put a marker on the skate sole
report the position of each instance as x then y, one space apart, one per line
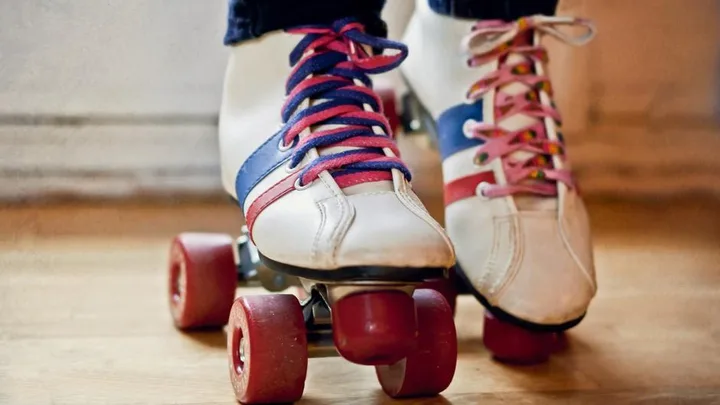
506 317
359 273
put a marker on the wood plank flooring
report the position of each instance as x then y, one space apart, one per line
84 320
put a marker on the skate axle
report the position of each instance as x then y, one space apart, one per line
247 275
316 310
318 324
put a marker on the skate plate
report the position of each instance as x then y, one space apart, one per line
251 272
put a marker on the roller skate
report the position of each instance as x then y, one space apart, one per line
309 155
512 208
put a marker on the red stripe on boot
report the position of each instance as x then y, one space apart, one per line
271 195
465 187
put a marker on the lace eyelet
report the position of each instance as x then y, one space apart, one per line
284 148
289 169
467 128
480 190
299 187
468 66
481 159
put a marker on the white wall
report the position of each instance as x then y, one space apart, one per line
90 57
109 97
119 97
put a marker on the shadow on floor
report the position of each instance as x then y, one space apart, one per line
213 338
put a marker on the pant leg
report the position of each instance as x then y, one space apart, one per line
508 10
248 19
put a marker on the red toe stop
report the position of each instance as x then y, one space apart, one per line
373 328
513 344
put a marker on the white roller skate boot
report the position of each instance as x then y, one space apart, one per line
309 156
513 212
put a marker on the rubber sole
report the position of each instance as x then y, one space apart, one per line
359 273
506 317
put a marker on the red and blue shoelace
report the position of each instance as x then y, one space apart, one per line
327 65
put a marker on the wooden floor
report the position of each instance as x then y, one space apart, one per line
84 320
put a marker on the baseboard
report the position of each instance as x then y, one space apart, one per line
129 161
657 161
108 161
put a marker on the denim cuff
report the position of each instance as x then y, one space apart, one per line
249 19
507 10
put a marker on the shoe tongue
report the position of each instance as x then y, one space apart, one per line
524 202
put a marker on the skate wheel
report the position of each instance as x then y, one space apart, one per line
446 287
429 369
372 328
202 280
559 342
513 344
267 349
387 96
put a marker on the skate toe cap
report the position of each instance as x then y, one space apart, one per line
549 281
366 229
389 232
535 266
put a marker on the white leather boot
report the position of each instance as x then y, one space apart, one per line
309 156
513 212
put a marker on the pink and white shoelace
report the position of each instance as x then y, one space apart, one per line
540 167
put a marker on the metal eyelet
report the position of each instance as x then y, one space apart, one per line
289 169
284 148
298 187
480 159
480 190
467 130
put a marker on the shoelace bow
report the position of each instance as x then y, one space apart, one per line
326 63
489 41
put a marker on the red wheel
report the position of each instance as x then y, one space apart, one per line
559 342
429 369
267 349
374 327
202 280
389 104
514 344
446 287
